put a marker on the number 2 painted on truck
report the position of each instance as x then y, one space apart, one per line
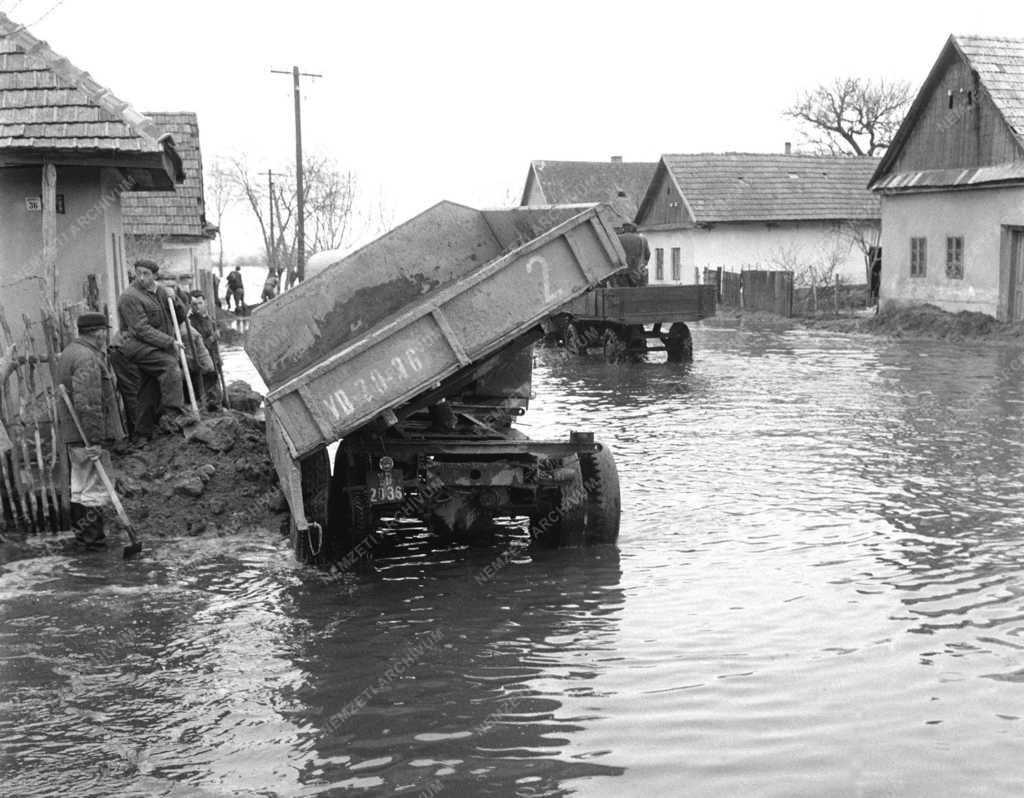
545 277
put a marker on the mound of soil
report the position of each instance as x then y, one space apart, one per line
219 479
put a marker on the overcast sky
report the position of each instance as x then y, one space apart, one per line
451 100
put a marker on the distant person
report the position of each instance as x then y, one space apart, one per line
269 287
236 290
638 253
86 376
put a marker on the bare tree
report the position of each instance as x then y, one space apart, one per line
330 210
852 115
222 192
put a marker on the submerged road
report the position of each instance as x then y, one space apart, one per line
819 590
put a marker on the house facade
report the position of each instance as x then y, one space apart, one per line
69 150
621 184
808 214
172 228
952 185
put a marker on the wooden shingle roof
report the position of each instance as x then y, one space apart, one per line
47 104
744 187
999 63
160 213
621 184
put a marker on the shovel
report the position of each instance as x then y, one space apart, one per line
189 429
136 545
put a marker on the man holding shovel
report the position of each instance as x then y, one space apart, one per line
86 376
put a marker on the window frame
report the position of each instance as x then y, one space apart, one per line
659 264
918 256
955 257
676 265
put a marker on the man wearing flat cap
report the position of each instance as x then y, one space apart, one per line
147 328
86 376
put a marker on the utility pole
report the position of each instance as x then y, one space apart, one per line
300 227
272 255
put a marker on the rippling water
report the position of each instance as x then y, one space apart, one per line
819 591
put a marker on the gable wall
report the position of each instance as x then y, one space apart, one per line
961 137
667 206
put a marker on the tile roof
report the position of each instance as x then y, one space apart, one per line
735 187
156 213
47 103
622 184
999 63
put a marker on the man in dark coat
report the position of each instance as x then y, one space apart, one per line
638 252
236 290
147 328
86 376
201 322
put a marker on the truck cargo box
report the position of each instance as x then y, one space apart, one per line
440 292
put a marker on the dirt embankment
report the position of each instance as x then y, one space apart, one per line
917 321
218 479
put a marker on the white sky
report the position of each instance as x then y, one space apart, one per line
451 100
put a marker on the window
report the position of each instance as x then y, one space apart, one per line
659 264
677 269
955 257
918 257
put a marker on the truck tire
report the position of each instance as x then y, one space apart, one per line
574 342
604 503
679 344
614 346
348 514
315 471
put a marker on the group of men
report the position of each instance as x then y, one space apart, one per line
141 366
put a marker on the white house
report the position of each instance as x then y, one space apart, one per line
764 211
952 185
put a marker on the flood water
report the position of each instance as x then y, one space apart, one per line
818 591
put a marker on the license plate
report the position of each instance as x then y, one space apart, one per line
386 487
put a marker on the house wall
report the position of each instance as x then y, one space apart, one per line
736 246
978 215
961 137
84 245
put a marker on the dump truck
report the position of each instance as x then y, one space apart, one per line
414 355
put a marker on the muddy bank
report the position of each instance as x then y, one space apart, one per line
918 321
217 481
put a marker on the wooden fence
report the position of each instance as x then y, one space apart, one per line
753 289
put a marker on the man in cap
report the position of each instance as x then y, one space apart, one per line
86 376
147 326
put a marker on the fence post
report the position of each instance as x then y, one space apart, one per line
835 295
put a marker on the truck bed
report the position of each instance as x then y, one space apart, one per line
647 304
443 291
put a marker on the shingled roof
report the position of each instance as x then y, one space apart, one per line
622 184
999 63
745 187
48 105
159 213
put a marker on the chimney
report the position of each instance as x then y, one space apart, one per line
789 148
616 159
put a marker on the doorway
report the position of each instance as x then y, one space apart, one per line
1015 260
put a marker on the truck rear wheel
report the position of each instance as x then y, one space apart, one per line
679 344
603 503
348 515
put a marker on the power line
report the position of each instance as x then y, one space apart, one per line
53 8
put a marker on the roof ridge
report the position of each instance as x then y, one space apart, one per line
102 96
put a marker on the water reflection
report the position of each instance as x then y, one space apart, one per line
819 590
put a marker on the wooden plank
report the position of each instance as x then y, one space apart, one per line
49 192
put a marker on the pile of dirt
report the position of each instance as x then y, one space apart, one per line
219 479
